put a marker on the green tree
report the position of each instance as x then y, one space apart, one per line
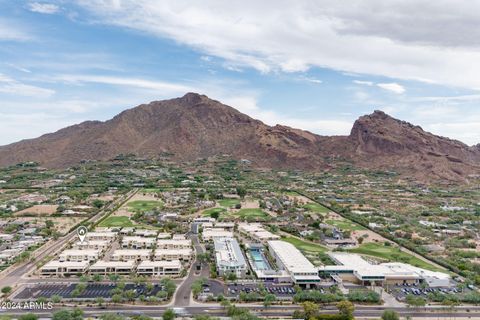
100 301
6 290
390 315
241 191
130 295
97 277
149 287
116 298
74 314
169 314
232 276
169 285
225 304
310 309
415 301
56 298
111 316
113 277
269 299
28 316
121 285
346 308
215 214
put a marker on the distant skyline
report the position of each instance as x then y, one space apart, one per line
314 65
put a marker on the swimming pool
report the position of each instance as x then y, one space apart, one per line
259 259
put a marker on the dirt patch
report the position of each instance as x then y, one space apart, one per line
39 210
371 236
61 224
250 204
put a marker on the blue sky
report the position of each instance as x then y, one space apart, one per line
312 65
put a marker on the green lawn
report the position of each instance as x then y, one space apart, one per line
150 190
304 246
317 208
144 205
118 222
392 253
227 203
252 214
208 212
345 225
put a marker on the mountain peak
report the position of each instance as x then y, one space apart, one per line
194 98
195 126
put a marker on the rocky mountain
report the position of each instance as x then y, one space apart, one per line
195 126
381 141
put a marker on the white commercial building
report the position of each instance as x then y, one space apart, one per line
289 258
173 254
174 244
146 233
159 268
355 267
229 257
112 267
79 255
64 268
131 255
137 242
212 233
101 245
104 235
257 232
225 225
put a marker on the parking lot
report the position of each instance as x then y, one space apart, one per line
92 291
233 290
401 291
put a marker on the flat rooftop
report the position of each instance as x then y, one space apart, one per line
113 264
77 252
66 264
184 251
293 260
161 263
98 234
132 252
228 252
138 239
258 230
175 242
217 232
93 243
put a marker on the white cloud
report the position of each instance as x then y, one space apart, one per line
460 98
363 82
14 127
248 105
45 8
393 87
310 79
14 87
19 68
10 31
465 131
160 86
421 43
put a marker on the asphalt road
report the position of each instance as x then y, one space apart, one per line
278 311
13 276
182 295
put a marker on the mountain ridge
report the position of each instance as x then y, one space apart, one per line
195 126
